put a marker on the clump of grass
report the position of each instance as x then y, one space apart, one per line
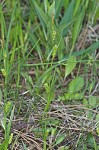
48 75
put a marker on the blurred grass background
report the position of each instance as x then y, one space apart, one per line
48 53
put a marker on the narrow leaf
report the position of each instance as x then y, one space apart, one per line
68 16
71 63
58 6
68 13
41 14
59 139
77 28
52 9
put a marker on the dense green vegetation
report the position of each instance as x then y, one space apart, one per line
49 75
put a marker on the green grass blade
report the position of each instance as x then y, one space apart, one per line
84 52
8 35
68 13
70 65
2 23
68 17
58 6
51 10
41 14
76 29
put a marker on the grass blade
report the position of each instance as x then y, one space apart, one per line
41 14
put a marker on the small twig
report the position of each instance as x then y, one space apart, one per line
28 139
